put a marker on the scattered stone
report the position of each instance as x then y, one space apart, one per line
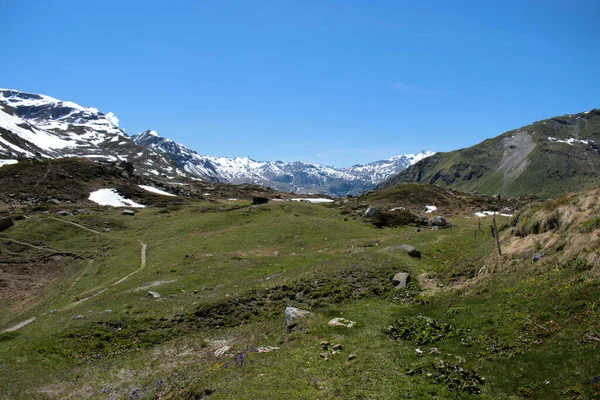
64 213
222 350
267 349
154 295
128 212
53 201
400 280
5 223
325 345
481 270
259 200
341 322
291 315
276 253
80 211
419 351
337 347
351 357
346 219
371 212
410 250
438 221
52 311
79 317
324 356
108 311
537 257
434 350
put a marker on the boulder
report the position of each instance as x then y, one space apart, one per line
410 250
53 201
371 212
341 322
154 295
5 223
438 221
259 200
537 257
128 212
291 316
64 213
400 280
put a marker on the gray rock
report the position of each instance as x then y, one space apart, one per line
537 257
259 200
5 223
64 213
128 212
410 250
400 280
371 212
79 317
53 201
337 347
154 295
422 221
438 221
292 315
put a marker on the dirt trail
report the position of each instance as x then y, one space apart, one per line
20 325
84 228
77 302
39 247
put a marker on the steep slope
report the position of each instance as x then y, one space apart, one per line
39 126
545 158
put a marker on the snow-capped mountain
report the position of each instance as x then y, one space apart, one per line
34 126
39 126
295 176
378 171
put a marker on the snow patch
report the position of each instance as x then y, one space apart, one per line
484 214
7 162
155 190
314 201
110 197
569 141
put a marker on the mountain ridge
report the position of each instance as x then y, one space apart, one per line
547 157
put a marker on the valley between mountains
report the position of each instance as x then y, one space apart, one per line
134 268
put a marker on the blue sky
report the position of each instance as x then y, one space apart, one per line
329 81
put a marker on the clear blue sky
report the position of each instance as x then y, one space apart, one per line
329 81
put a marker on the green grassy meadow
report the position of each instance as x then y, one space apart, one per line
501 327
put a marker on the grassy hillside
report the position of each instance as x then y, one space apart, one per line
530 160
469 324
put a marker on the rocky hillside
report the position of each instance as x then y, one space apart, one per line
545 158
298 177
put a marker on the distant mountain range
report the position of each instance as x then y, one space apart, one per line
38 126
546 158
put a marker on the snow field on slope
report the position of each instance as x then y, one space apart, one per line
110 197
155 190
